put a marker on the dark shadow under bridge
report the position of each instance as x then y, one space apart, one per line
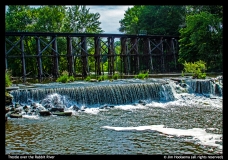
82 54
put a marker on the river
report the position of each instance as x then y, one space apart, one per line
176 121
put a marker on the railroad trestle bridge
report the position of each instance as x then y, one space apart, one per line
83 54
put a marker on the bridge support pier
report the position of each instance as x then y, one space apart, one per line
23 59
39 61
70 57
97 56
111 54
85 66
55 58
134 56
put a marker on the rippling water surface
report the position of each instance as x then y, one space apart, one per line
191 124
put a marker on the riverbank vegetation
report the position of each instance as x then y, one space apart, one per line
64 78
197 69
8 81
142 75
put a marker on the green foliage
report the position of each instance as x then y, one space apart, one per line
8 81
79 20
155 19
129 24
18 17
88 78
102 77
64 78
142 75
162 19
71 79
213 9
202 38
65 73
49 18
197 69
116 76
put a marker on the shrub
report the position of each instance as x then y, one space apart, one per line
65 77
102 78
142 75
71 79
88 78
197 69
8 81
65 73
115 76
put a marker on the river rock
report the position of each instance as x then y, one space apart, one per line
76 108
62 113
15 116
8 99
7 109
45 113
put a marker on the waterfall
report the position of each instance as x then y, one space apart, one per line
128 92
100 94
205 87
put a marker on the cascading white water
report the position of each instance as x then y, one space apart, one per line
118 93
205 87
101 94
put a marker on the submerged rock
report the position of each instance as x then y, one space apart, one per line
76 108
45 113
62 113
15 116
7 109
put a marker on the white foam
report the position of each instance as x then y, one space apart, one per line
190 100
157 104
31 116
130 107
197 133
92 110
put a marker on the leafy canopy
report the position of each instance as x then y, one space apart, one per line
202 38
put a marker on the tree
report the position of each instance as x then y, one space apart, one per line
155 19
48 18
129 24
213 9
162 20
79 20
18 17
202 38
